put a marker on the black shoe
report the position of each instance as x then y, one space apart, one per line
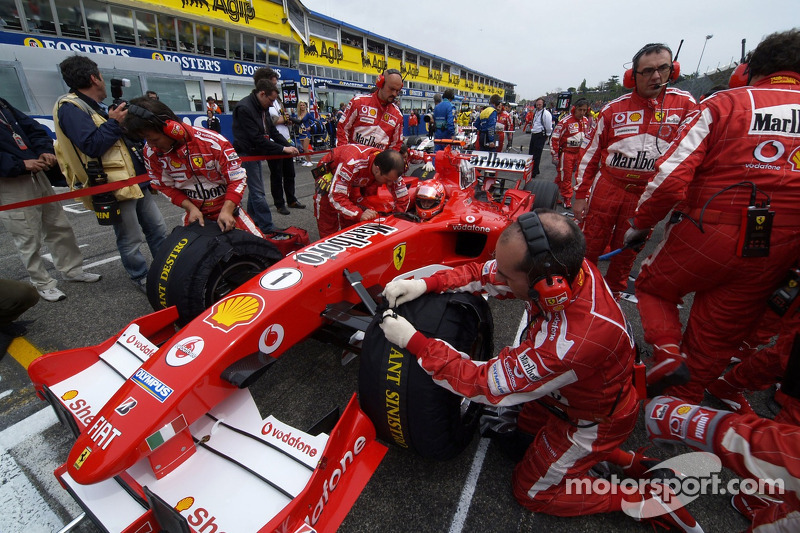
283 210
13 330
296 205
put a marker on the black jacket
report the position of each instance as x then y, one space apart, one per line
249 135
35 137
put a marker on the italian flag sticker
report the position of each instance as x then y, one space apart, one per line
167 432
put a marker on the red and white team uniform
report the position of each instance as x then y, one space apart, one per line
578 361
752 446
748 134
370 122
505 119
351 169
616 162
206 170
565 143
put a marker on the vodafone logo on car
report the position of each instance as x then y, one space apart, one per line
271 339
185 351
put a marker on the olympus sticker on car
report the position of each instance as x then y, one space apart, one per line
151 385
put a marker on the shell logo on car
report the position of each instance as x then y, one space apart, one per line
235 311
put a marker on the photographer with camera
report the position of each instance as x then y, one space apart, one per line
92 148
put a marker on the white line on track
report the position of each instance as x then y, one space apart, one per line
25 507
460 516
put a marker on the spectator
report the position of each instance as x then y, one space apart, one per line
281 171
464 115
212 122
16 297
350 167
413 123
732 276
85 130
26 151
211 105
565 145
305 122
619 153
374 119
505 122
487 125
570 374
541 129
444 119
152 95
197 169
255 134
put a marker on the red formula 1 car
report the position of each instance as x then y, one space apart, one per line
157 413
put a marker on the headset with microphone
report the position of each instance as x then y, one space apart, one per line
551 291
171 128
629 78
381 81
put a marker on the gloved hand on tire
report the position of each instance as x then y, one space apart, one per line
397 329
404 290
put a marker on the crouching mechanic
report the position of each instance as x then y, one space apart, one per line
342 175
572 372
196 168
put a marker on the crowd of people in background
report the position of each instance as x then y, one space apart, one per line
651 155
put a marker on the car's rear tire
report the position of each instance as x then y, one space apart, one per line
406 406
412 141
199 265
545 193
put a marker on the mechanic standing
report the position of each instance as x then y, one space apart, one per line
732 177
541 129
565 144
196 168
374 119
444 119
619 154
504 119
344 173
572 373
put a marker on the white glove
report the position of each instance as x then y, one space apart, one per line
429 167
404 290
397 329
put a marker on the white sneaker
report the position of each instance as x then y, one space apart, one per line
52 295
85 277
308 164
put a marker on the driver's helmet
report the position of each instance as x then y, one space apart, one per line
430 199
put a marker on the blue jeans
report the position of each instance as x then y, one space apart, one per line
257 206
137 216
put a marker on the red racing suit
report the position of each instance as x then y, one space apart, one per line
206 170
350 168
752 134
578 362
370 122
616 162
565 143
508 126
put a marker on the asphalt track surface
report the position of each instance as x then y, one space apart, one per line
469 493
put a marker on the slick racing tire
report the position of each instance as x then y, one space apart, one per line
412 141
199 265
545 193
407 408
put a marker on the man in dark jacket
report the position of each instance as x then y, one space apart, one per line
255 134
26 151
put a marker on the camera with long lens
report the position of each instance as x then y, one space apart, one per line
105 205
116 90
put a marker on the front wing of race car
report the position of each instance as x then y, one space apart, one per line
245 472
